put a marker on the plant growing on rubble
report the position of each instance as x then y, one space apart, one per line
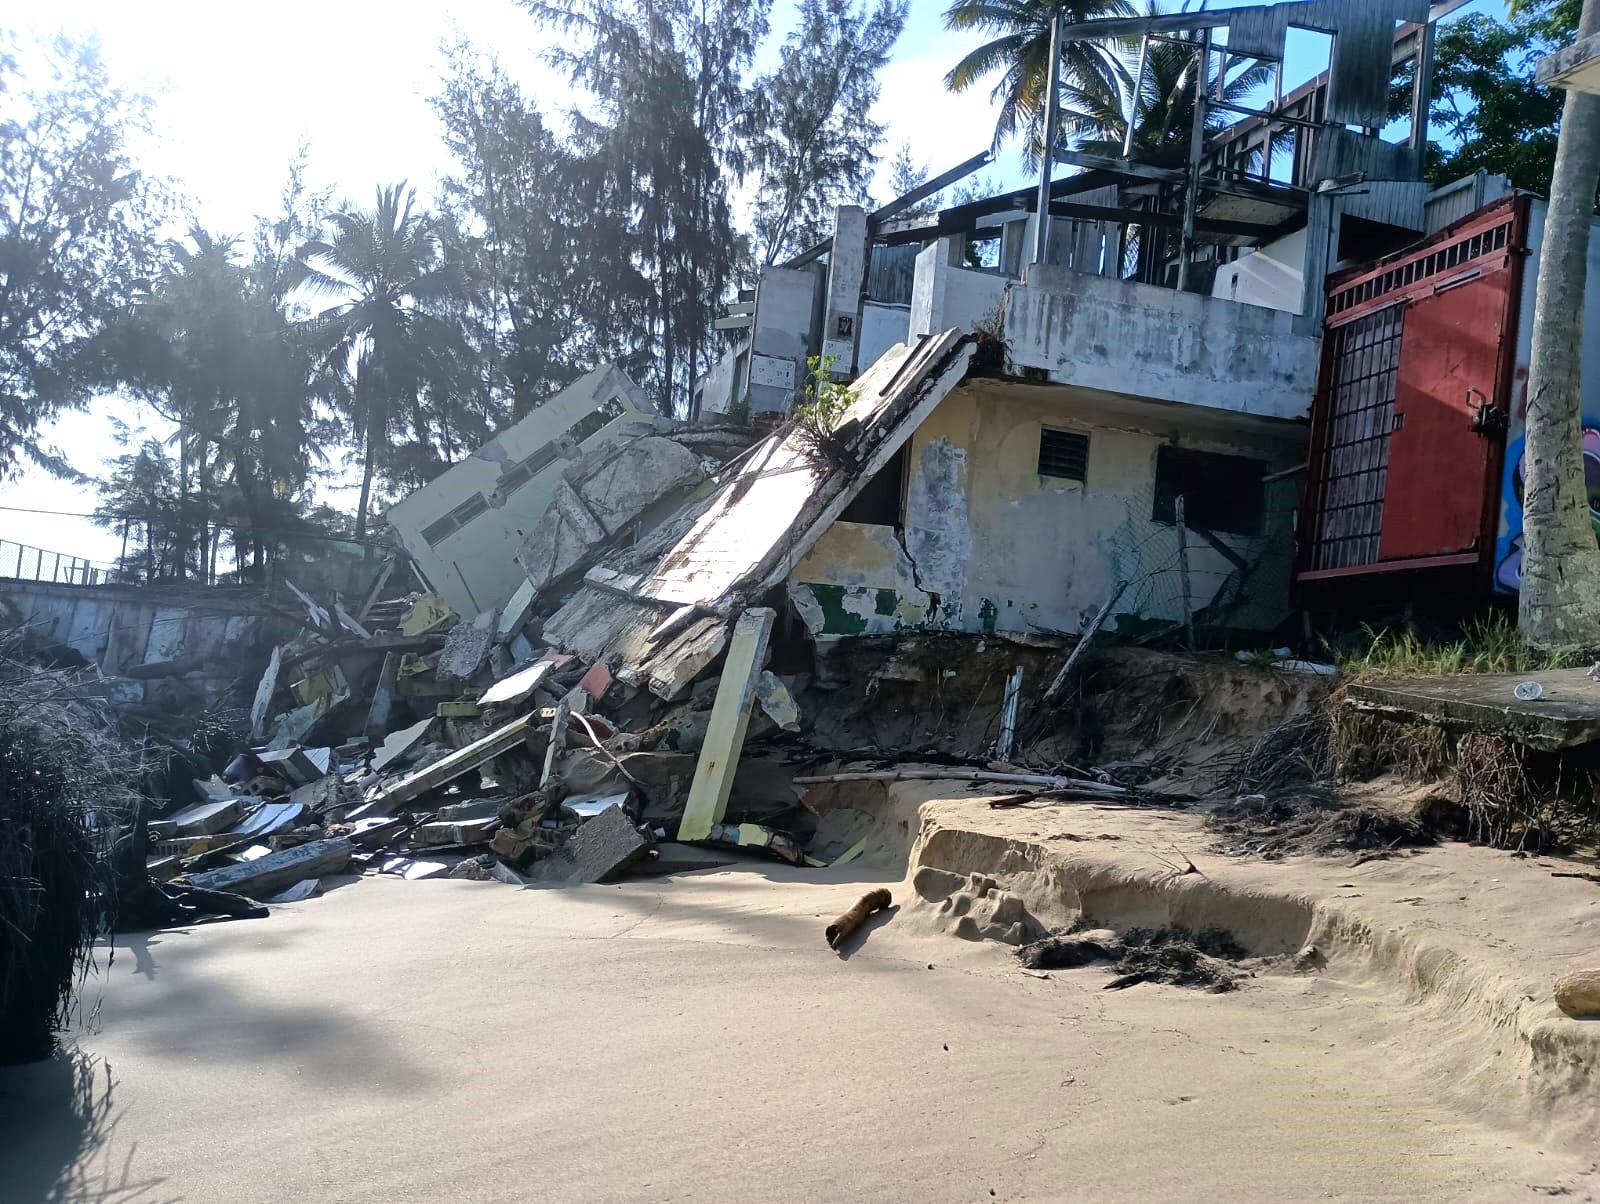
819 416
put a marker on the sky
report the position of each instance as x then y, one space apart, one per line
239 87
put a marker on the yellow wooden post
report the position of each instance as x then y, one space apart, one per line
730 719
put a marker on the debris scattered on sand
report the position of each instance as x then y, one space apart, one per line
1174 956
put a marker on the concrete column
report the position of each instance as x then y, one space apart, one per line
847 275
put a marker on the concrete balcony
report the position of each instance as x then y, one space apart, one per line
1128 339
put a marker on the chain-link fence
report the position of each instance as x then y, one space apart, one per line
26 563
1213 580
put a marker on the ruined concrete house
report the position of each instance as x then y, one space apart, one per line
1111 411
463 529
1138 370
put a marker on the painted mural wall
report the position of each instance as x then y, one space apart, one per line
991 545
1508 547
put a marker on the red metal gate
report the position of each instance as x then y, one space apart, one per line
1411 404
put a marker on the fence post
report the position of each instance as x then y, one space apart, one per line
1183 572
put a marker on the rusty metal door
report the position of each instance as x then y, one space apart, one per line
1446 414
1412 402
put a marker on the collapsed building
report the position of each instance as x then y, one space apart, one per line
1108 404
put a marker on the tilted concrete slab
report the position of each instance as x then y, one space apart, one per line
1565 715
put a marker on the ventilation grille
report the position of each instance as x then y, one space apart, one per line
1063 454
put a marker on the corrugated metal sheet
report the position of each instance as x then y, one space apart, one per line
1448 205
890 273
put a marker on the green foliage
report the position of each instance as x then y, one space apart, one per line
76 222
826 401
1487 645
813 141
1487 113
653 150
551 289
1019 53
64 786
390 347
1095 106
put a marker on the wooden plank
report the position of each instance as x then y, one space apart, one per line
263 699
383 697
1008 716
1060 681
501 740
730 719
266 876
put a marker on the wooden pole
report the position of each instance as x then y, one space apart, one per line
1008 716
1183 572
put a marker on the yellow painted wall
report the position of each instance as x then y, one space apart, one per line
991 545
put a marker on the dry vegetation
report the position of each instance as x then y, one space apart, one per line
67 786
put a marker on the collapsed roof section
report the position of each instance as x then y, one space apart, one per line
659 612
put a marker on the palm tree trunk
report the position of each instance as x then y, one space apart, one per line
1560 601
366 472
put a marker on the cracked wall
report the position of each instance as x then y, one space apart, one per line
988 544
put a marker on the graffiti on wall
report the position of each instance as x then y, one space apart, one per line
1508 549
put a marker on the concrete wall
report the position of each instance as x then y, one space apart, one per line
1143 341
782 336
121 627
721 388
882 327
1273 275
475 566
945 297
988 544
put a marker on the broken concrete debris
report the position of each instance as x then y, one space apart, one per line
638 675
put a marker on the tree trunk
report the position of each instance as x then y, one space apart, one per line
366 472
1560 601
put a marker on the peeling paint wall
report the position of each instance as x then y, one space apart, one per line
989 544
858 580
1144 341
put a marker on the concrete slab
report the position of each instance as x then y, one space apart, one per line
1565 715
605 846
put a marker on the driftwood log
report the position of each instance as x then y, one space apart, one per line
1045 781
839 931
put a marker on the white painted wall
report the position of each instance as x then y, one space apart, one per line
1273 275
882 327
786 311
945 297
989 544
720 388
475 568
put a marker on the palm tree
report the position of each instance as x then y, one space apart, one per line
1560 595
1020 52
388 337
1095 108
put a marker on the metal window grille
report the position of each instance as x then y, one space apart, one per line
1354 464
1063 454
